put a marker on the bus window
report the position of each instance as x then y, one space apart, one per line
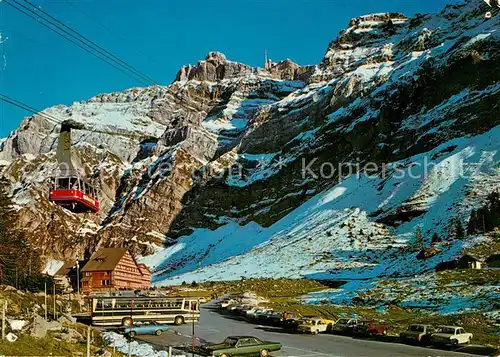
194 305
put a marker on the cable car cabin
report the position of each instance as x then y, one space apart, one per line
74 194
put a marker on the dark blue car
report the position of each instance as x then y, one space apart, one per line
152 329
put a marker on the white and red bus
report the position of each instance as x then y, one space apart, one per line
126 311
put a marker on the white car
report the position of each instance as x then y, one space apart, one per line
225 303
451 335
252 311
314 325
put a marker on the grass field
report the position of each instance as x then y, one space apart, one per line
49 346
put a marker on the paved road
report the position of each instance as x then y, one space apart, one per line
214 327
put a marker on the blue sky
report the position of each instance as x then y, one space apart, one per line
158 37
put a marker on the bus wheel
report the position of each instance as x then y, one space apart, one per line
127 322
179 320
224 355
158 332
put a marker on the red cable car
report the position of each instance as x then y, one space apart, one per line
69 188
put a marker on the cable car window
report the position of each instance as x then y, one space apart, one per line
63 183
74 183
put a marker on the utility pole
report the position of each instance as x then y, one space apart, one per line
78 278
131 325
4 308
54 296
89 334
192 318
45 301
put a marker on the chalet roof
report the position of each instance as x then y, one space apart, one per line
65 269
143 266
473 256
105 259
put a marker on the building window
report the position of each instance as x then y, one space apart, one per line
105 282
85 283
87 273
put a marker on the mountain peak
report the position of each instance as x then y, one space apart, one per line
215 56
215 67
377 18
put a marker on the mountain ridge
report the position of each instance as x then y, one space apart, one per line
386 92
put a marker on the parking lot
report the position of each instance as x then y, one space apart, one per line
215 325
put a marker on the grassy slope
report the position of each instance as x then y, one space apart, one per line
29 346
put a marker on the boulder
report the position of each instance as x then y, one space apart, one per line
54 326
72 336
11 337
103 353
16 325
40 327
64 320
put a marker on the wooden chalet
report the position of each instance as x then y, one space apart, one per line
114 269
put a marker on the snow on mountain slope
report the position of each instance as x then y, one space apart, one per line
335 235
215 159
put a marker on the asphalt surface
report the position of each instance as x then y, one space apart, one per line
215 327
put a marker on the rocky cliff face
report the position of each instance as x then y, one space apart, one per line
213 164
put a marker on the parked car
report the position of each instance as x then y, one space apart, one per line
257 313
370 328
271 315
251 310
420 333
345 325
315 325
224 304
451 335
263 315
282 318
151 329
293 322
243 309
241 346
234 307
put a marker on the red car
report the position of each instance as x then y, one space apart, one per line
371 328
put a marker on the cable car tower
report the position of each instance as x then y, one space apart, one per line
70 189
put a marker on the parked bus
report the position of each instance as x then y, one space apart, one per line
126 311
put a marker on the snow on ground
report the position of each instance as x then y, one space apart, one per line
133 348
426 291
335 235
